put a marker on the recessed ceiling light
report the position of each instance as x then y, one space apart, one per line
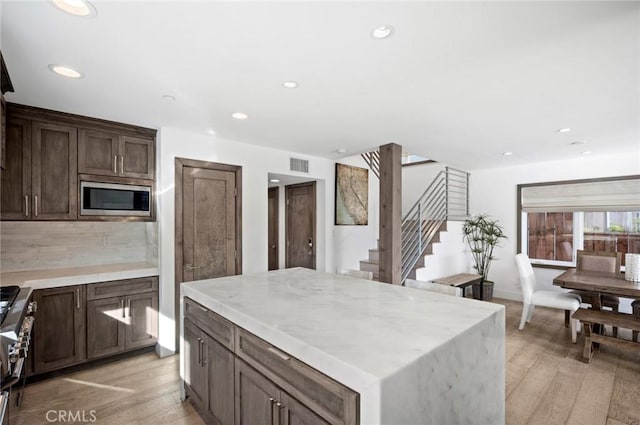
564 130
169 98
211 132
240 116
65 71
290 84
586 153
274 181
383 31
507 153
76 7
577 143
341 150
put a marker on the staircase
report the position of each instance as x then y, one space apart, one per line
445 199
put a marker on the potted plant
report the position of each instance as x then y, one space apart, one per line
483 235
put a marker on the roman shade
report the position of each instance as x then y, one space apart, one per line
604 195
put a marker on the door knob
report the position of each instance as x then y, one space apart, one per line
310 243
273 246
190 267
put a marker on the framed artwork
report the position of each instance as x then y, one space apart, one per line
352 195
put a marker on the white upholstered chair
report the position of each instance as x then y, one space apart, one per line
357 273
531 296
433 287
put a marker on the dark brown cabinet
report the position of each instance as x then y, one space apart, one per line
46 153
232 376
59 329
209 375
40 179
109 154
121 316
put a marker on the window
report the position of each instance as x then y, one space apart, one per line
556 219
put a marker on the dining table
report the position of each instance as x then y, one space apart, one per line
598 282
602 283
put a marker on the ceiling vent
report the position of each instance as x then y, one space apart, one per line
300 165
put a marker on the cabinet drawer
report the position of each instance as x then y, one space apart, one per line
96 291
334 402
216 326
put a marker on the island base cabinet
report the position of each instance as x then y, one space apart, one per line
209 372
261 402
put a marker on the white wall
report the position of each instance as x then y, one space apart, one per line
450 255
415 180
493 191
256 163
352 243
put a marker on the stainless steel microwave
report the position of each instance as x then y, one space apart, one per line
114 199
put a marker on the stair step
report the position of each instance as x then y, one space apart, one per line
374 255
368 266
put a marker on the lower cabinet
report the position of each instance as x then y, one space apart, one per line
209 375
74 324
233 377
120 319
59 332
259 401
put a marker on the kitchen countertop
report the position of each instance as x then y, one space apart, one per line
51 278
376 338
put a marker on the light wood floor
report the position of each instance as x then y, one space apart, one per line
546 384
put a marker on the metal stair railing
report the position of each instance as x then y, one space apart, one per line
373 161
446 198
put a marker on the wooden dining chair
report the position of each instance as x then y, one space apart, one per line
599 261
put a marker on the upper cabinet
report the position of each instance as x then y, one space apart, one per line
48 153
40 179
5 86
110 154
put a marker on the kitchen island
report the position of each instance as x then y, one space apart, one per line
402 355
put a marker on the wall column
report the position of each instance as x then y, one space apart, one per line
390 268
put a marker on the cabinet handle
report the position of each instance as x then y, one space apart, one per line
122 306
205 357
122 164
200 351
26 205
115 164
35 203
278 353
78 298
129 307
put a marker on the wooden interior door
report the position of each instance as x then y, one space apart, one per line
274 251
209 223
301 225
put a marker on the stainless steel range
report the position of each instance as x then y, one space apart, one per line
16 323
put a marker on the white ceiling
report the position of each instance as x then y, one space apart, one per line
457 82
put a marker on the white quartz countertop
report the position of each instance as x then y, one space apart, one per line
51 278
355 330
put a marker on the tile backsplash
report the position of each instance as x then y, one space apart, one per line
46 245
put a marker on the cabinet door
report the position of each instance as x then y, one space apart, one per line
16 177
142 314
97 153
105 327
255 397
59 328
296 413
220 368
195 373
54 162
3 133
137 158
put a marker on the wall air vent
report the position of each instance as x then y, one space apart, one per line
300 165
